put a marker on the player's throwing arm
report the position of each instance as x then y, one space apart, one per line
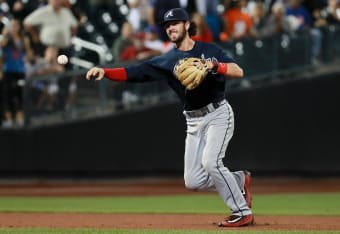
96 72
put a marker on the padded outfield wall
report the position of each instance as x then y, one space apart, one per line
287 128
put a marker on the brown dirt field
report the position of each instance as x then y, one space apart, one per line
161 221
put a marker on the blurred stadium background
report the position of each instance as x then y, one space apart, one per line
286 107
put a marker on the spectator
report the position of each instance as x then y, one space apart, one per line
138 14
314 6
328 15
124 40
15 46
152 41
302 22
298 16
47 89
77 11
203 31
20 9
56 25
238 22
138 51
270 3
258 17
2 25
275 24
266 25
214 18
131 52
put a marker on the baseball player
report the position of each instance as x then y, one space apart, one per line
200 85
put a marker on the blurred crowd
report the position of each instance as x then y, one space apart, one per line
224 21
35 32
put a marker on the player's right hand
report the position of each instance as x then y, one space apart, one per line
95 72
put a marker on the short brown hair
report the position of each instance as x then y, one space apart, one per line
192 29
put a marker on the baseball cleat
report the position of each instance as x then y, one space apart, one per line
246 188
237 221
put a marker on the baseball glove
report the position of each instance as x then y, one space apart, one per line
192 71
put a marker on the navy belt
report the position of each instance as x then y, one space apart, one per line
205 110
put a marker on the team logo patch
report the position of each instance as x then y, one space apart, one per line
169 14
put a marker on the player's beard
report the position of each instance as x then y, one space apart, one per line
180 37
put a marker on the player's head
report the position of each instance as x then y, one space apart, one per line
175 14
179 20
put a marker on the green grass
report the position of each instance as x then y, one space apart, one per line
287 204
123 231
298 204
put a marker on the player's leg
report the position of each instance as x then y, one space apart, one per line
243 179
195 177
219 133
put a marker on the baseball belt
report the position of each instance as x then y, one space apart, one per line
205 110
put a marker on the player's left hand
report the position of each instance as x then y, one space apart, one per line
192 71
96 72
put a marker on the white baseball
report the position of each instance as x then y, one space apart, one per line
62 59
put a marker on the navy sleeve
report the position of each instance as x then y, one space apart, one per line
145 71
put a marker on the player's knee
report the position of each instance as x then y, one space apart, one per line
209 165
191 183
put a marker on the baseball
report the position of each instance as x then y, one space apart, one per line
62 59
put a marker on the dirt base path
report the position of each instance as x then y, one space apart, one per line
161 221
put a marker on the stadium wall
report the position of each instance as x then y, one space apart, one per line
284 128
